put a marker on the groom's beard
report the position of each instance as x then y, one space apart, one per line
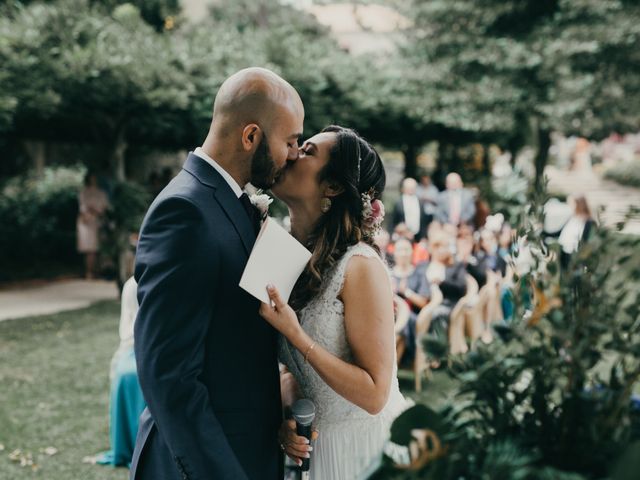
263 168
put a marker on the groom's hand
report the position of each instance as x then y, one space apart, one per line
295 446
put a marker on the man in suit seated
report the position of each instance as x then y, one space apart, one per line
456 205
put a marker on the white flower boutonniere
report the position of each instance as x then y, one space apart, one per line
261 201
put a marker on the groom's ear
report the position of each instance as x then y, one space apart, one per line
251 136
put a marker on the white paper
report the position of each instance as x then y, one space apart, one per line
277 258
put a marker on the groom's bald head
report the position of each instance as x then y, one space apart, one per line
253 95
257 122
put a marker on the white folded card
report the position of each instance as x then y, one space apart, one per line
277 258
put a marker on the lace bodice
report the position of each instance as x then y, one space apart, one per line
323 320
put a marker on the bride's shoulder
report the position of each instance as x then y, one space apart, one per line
363 261
361 249
365 276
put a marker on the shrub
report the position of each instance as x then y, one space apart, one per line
38 218
625 173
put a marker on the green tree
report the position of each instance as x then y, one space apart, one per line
514 71
336 87
92 76
154 12
106 78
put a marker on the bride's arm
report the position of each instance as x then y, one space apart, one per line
368 305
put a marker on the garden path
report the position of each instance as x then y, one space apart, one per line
54 297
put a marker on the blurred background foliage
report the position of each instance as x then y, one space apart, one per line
120 78
38 218
492 72
627 173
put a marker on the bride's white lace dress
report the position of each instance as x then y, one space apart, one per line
351 440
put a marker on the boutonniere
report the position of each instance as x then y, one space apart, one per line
261 201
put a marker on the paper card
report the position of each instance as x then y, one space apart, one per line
276 258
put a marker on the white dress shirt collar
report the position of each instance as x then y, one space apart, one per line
228 178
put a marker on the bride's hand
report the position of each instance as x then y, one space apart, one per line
295 446
281 316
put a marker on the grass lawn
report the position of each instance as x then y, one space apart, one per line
54 392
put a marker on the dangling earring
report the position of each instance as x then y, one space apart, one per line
325 204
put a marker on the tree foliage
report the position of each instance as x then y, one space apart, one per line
500 69
154 12
106 76
81 74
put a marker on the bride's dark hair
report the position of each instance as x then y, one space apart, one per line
355 168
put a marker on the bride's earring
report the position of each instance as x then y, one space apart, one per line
325 204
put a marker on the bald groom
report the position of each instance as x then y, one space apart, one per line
207 362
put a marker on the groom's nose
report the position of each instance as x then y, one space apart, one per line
294 153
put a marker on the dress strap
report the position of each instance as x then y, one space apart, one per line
337 278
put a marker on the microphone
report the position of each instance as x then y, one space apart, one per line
304 411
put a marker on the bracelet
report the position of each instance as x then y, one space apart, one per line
306 354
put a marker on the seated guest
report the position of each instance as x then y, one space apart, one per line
456 205
449 275
482 260
453 231
127 402
420 251
505 241
505 249
488 269
402 231
483 211
410 286
487 253
382 240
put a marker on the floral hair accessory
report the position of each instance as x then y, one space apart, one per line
261 201
372 213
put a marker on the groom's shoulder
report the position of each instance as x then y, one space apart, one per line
182 191
183 185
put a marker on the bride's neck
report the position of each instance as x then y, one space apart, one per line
303 220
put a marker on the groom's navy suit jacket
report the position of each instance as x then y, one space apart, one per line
207 362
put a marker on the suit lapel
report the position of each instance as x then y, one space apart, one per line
225 196
237 215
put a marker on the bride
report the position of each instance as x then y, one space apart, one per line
338 337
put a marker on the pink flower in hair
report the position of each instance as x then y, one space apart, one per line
372 213
377 210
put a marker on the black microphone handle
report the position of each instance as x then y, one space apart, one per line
304 431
